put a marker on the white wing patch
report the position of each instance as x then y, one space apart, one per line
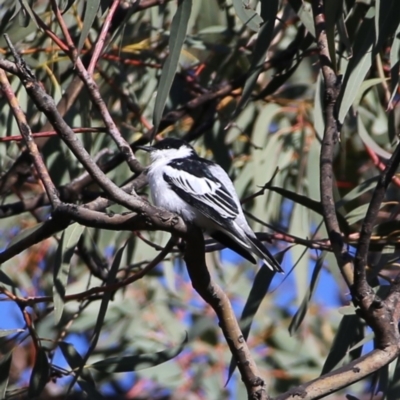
211 194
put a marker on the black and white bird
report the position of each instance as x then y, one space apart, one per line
202 193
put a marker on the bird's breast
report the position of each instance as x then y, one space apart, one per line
163 196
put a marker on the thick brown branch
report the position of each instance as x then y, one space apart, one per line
330 139
217 299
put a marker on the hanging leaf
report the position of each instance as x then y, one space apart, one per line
65 251
247 15
176 39
5 364
301 312
92 6
40 374
138 362
349 332
268 11
75 360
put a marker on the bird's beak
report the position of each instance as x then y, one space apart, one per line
149 149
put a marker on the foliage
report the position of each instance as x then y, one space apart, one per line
243 82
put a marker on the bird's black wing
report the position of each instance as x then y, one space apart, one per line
191 180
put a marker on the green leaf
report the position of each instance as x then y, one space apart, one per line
394 64
278 80
379 23
310 204
92 6
365 186
393 391
26 14
176 39
75 360
40 374
367 84
102 312
387 19
333 10
65 251
299 227
5 365
358 66
247 15
268 11
301 312
304 11
137 362
359 213
4 278
24 234
6 332
349 332
90 389
369 141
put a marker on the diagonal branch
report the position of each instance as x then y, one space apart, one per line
342 377
218 300
329 141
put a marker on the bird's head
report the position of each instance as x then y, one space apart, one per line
169 149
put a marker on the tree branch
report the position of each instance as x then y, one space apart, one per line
342 377
218 300
329 141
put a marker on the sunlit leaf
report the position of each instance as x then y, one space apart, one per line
247 15
6 332
137 362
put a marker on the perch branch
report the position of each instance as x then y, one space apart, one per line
218 300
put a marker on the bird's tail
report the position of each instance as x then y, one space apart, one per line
262 252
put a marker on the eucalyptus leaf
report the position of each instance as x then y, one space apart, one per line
69 240
139 361
176 39
247 15
5 365
92 6
40 374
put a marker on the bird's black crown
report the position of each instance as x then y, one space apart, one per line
170 143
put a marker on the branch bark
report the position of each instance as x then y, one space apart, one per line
218 300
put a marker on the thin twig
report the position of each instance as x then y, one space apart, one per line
94 93
102 37
27 135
